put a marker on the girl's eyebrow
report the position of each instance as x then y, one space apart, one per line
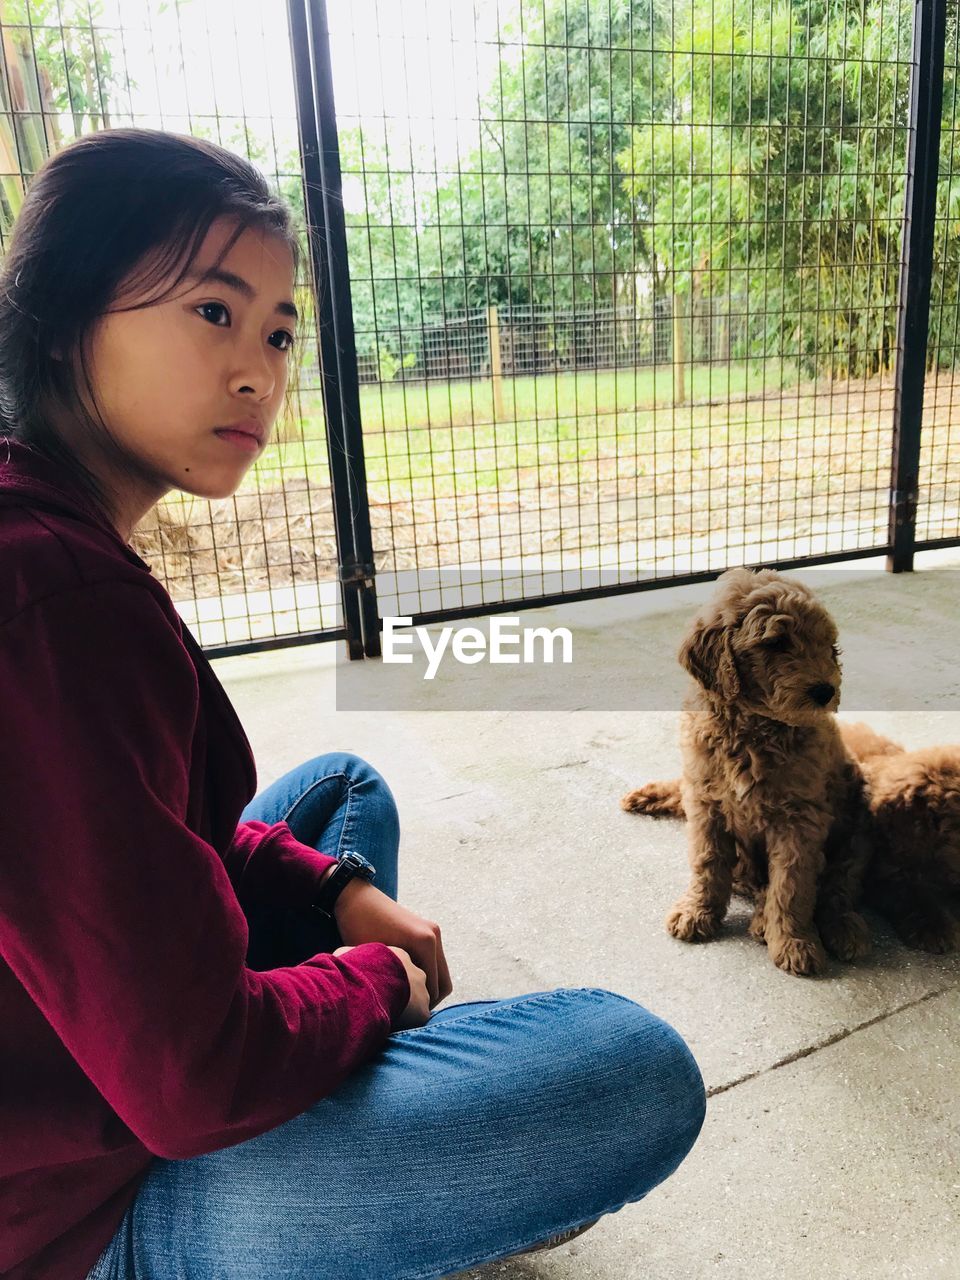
233 281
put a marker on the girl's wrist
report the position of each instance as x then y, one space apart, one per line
349 890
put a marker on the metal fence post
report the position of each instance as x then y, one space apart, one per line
916 265
496 364
679 352
320 150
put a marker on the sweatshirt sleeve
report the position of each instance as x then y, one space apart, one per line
268 864
121 923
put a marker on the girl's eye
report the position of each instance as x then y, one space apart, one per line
205 306
291 340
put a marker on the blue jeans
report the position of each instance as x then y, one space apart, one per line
493 1127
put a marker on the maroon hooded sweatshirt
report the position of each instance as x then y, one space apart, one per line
130 1026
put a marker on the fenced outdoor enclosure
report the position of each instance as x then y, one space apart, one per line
609 289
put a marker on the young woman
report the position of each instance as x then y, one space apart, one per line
220 1053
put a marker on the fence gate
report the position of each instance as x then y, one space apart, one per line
609 295
642 291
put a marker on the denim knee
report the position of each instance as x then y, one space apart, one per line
649 1057
362 781
353 768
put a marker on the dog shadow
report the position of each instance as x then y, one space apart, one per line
888 953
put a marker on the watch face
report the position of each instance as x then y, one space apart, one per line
361 864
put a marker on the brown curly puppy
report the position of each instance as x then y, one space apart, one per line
912 876
773 799
664 799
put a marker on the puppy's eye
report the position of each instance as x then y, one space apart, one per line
776 644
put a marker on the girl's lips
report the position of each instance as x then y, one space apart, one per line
240 439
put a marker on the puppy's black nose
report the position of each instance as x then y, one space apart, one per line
822 693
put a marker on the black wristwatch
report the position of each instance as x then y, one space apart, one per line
350 864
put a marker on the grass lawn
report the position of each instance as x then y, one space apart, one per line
577 465
444 439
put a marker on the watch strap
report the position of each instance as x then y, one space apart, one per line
349 865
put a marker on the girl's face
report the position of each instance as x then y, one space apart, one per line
167 376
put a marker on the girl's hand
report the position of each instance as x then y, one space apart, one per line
365 914
417 1012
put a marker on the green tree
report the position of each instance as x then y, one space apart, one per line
780 175
55 64
391 246
547 214
706 148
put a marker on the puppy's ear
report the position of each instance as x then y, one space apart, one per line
708 656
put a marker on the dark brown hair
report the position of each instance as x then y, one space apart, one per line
93 213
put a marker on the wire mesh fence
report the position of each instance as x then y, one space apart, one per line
624 280
513 341
681 224
938 512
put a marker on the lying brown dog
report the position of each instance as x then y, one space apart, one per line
774 801
911 875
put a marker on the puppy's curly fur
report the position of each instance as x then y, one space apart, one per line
774 800
913 876
912 873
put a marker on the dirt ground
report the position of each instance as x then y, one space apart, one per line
825 462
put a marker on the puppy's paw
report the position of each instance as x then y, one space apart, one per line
691 924
800 956
758 924
938 933
846 936
635 801
655 799
744 888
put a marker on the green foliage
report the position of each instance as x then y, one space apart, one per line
702 148
49 76
538 212
782 175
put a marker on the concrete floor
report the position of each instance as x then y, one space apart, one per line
831 1147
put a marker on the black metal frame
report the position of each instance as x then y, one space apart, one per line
923 157
309 33
338 358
